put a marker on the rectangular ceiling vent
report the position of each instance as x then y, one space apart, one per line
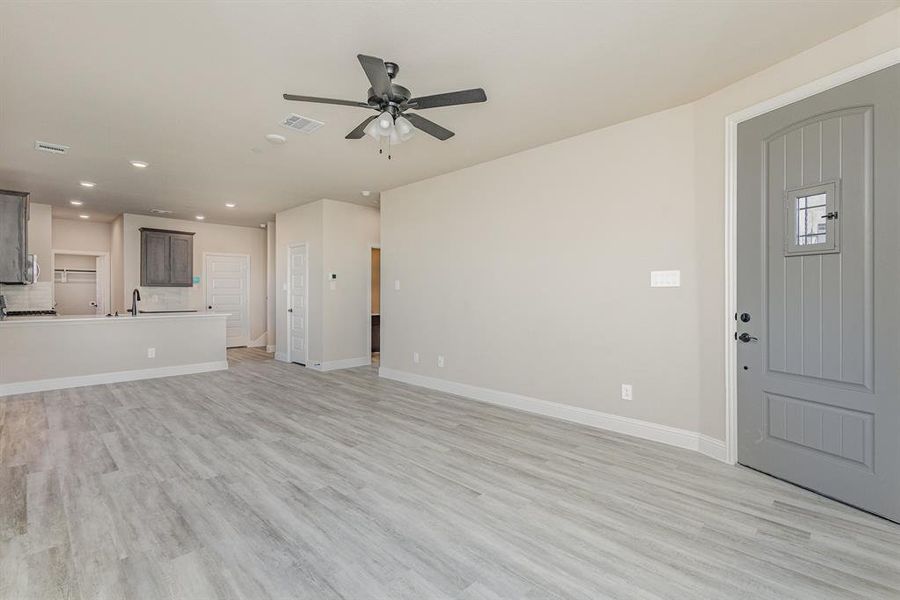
51 148
301 123
160 211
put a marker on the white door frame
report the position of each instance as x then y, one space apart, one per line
369 302
204 279
288 304
105 273
867 67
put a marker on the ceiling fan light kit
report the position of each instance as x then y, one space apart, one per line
391 101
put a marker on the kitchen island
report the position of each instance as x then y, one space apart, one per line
55 352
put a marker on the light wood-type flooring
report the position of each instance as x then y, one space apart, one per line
269 480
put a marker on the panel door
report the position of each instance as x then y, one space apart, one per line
819 292
181 260
155 258
297 305
227 291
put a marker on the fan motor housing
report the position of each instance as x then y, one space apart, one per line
399 95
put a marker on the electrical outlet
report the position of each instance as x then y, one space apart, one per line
396 284
151 352
626 391
416 357
441 361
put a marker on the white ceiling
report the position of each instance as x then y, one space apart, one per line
192 88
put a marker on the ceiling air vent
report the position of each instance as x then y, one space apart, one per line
300 123
51 148
160 211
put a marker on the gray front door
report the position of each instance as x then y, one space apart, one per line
819 293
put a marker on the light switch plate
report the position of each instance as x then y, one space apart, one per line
665 278
396 284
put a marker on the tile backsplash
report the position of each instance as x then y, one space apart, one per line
157 298
37 296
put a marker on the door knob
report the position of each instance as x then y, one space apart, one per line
746 337
290 310
209 307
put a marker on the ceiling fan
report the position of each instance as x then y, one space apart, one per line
391 101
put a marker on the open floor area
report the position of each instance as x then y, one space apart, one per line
269 480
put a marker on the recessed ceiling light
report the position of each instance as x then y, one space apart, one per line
200 217
139 164
274 138
230 205
84 216
87 184
76 202
366 193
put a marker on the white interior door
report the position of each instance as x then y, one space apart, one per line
297 304
228 291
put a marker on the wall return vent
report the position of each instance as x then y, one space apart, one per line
51 148
301 123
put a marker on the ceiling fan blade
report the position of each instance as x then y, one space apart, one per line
377 74
429 127
326 101
360 129
448 99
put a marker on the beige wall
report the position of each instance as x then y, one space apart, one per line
69 234
530 273
338 237
350 230
53 349
117 264
208 238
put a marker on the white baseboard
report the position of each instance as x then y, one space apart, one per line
672 436
281 356
59 383
270 349
712 448
346 363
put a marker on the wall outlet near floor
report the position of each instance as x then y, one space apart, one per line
416 357
151 352
441 361
626 391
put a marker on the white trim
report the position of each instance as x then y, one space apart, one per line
369 299
867 67
287 354
281 357
345 363
247 312
672 436
58 383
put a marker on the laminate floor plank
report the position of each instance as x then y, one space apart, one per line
269 480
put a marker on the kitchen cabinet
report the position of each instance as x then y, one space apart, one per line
167 258
14 267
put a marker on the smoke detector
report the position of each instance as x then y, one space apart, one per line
51 148
301 123
160 211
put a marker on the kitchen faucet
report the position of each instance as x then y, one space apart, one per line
135 298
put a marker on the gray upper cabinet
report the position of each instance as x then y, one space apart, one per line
167 258
13 237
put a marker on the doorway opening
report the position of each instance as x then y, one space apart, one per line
374 305
81 283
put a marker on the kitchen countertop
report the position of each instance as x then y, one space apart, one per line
49 319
